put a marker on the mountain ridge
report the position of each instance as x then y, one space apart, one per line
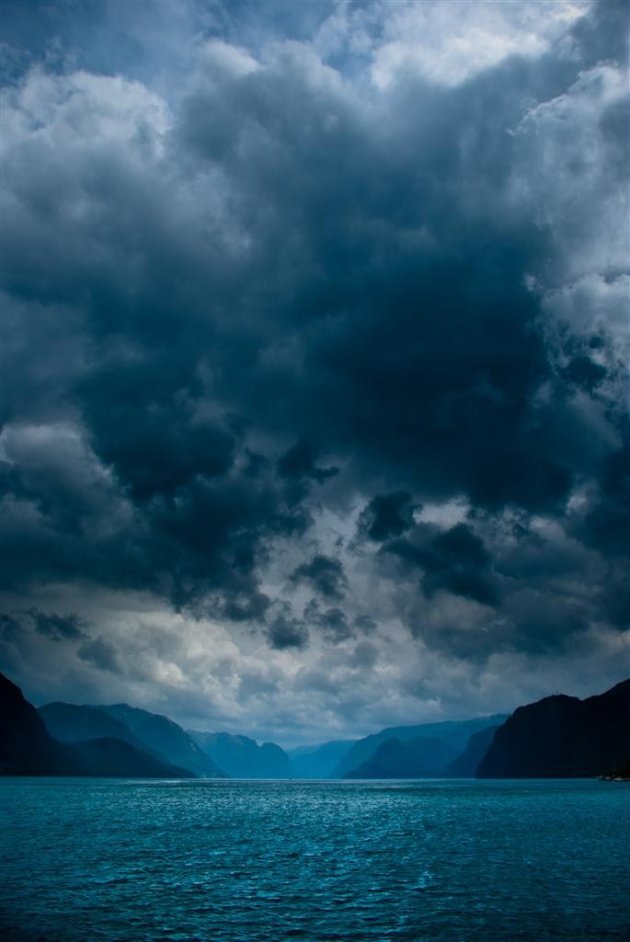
562 736
453 732
28 748
242 757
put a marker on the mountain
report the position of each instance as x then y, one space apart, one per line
621 772
319 761
27 748
70 723
562 736
162 736
454 733
241 757
465 765
420 757
111 757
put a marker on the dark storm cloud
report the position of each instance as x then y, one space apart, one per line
585 372
201 542
273 286
606 523
100 653
388 515
154 448
300 462
58 627
331 623
455 560
325 575
286 631
413 337
10 629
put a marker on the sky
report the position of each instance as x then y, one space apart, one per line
315 345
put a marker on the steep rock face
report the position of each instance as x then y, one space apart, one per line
562 736
455 733
467 763
27 747
420 757
161 735
242 757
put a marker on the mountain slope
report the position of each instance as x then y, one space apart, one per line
27 748
68 722
321 760
420 757
455 733
242 757
562 736
465 765
161 735
110 757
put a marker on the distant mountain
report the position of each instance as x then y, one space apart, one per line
561 737
319 761
420 757
27 748
111 757
161 735
465 765
70 723
241 757
454 733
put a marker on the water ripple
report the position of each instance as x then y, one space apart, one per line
85 861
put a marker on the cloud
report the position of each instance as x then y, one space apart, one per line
101 654
57 627
300 462
454 559
324 575
449 43
331 623
285 631
317 328
388 515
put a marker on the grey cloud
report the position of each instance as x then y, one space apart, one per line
455 559
388 515
58 627
365 624
605 524
274 294
101 653
300 462
323 574
285 631
331 623
10 628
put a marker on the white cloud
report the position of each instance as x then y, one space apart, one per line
570 167
445 42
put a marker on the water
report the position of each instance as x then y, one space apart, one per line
448 861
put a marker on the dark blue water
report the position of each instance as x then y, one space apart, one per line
243 861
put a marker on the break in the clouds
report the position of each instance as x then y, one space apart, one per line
315 323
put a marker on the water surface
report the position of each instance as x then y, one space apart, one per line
431 861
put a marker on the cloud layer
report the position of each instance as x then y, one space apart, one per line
317 336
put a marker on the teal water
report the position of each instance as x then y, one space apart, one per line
446 861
